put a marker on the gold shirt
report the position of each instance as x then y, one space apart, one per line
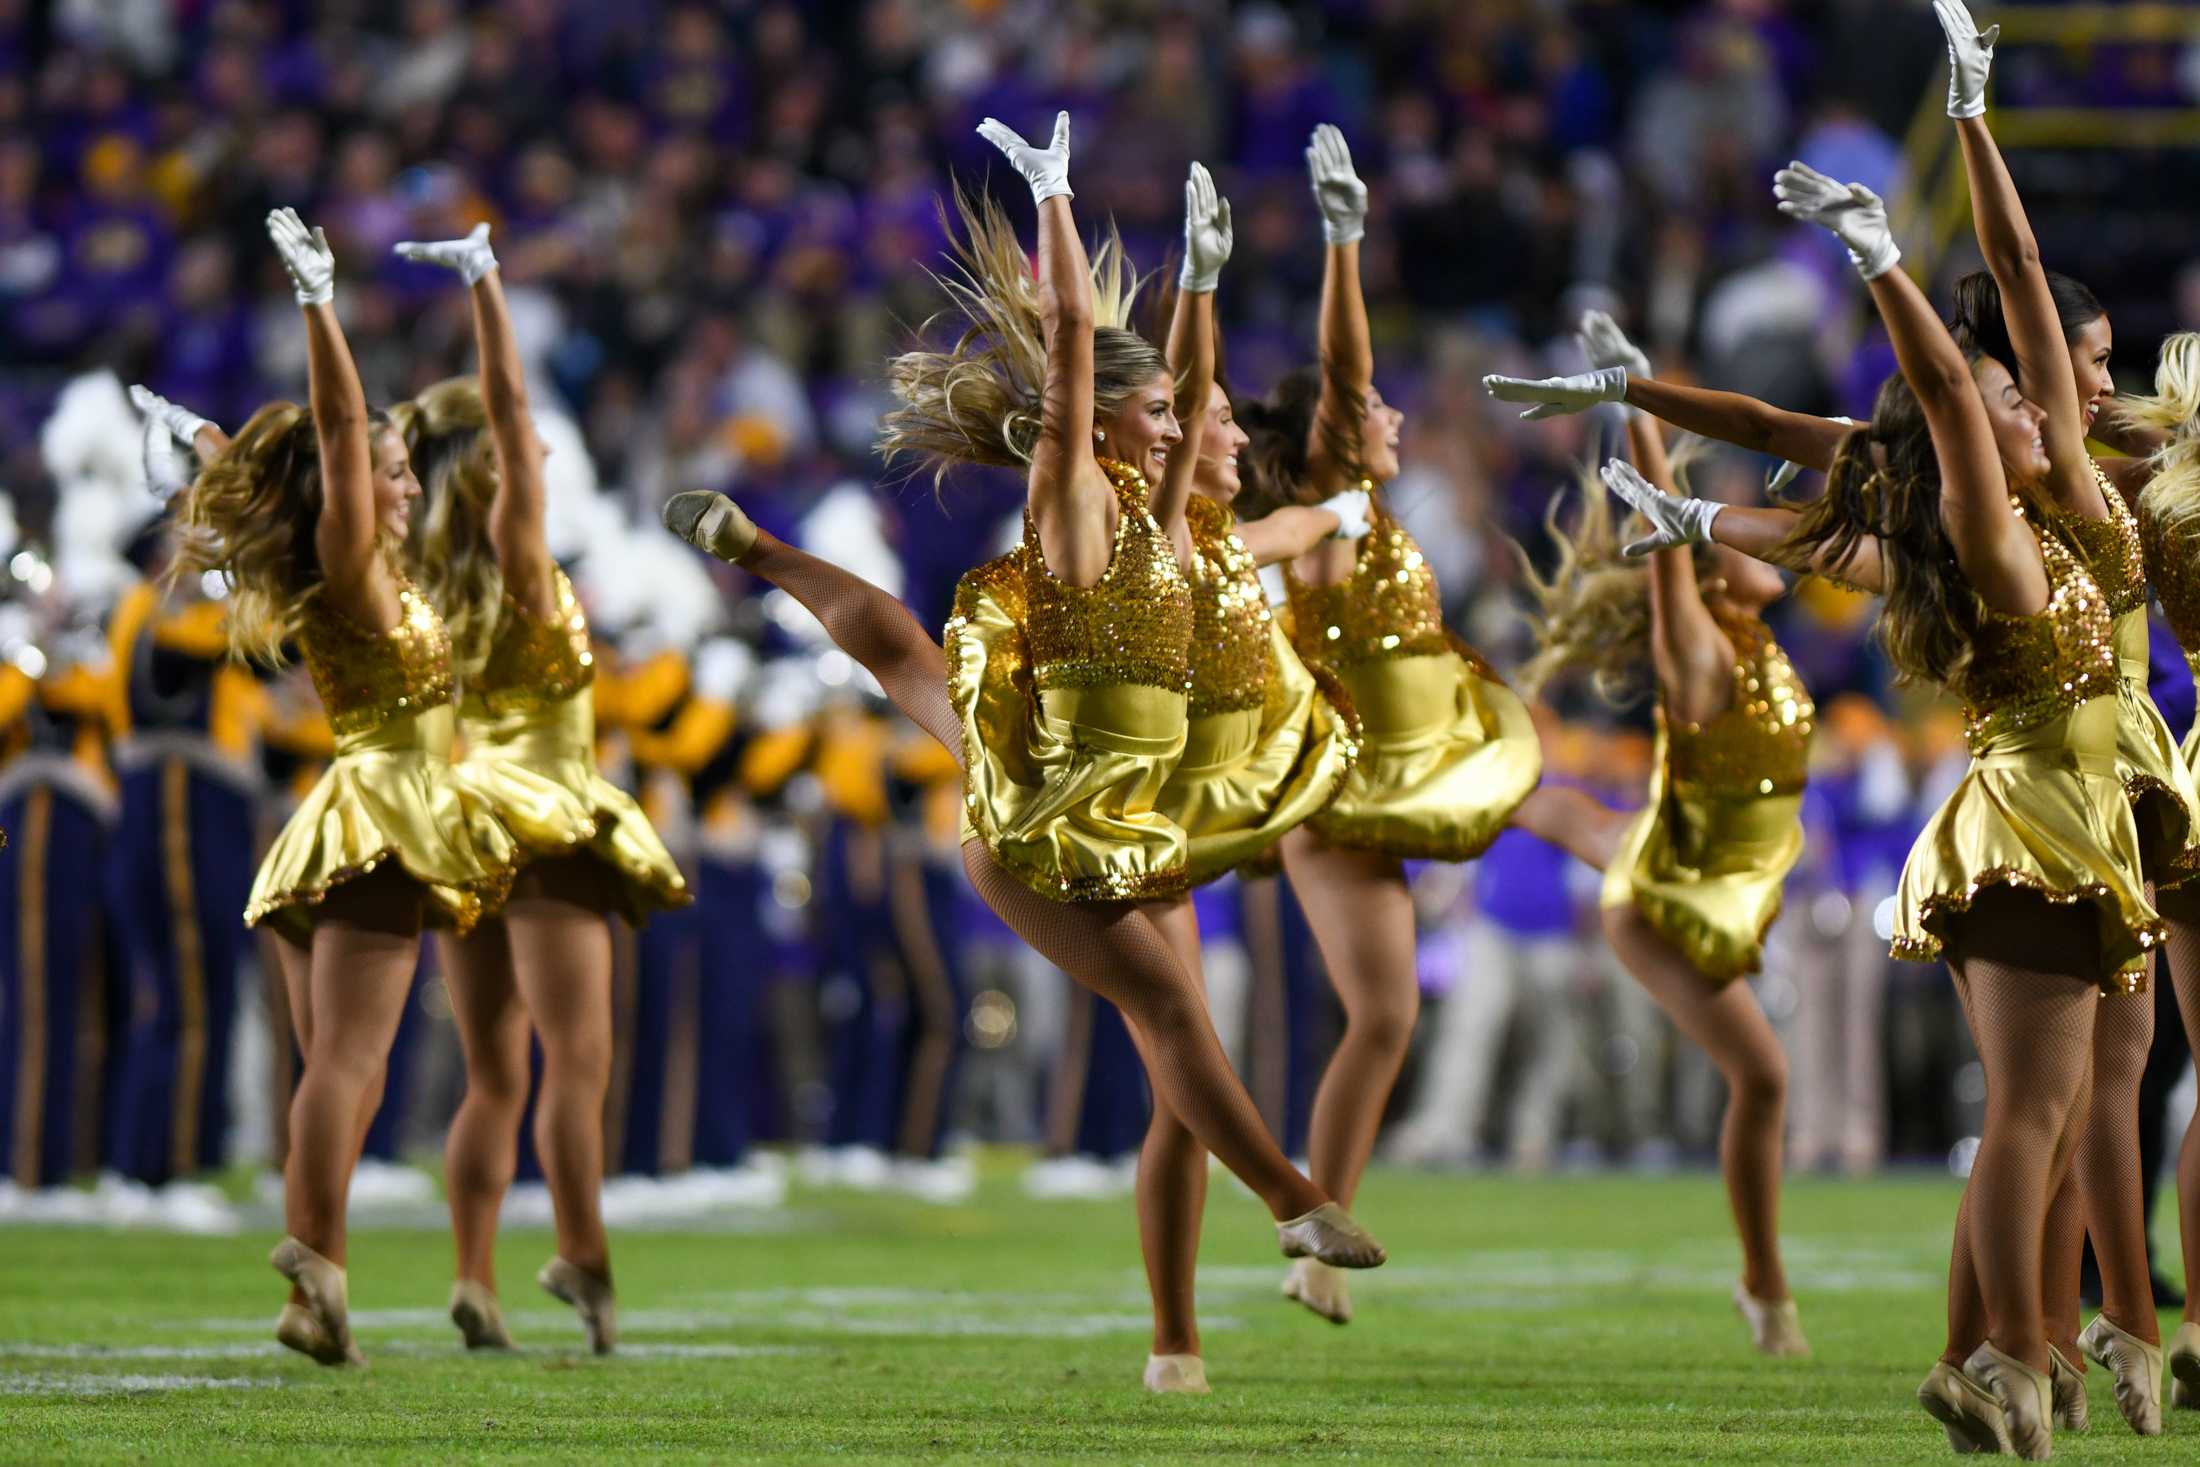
1387 607
1760 743
366 678
1230 617
2026 670
1131 627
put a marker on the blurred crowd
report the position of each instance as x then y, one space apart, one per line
715 221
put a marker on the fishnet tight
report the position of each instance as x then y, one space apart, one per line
2023 971
2181 908
1112 948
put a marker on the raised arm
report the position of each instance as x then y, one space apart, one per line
1996 552
1075 525
2012 255
1346 350
347 532
517 513
169 428
1191 346
1729 417
1689 652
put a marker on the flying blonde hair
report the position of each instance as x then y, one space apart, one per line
980 400
2172 494
446 431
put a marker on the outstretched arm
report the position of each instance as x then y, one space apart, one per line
1191 348
1688 651
1346 349
1075 526
345 535
517 513
1729 417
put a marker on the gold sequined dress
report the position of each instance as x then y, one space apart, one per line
1706 859
2042 807
1072 701
389 793
1447 751
2161 788
1266 746
528 721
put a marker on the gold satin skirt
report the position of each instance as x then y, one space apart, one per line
2155 774
1250 775
389 794
1063 787
537 770
1706 870
1446 755
2042 810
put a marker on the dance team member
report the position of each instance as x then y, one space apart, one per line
1447 752
1062 685
520 645
1692 882
1264 746
304 516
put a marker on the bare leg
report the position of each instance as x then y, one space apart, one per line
2181 906
1576 823
1115 950
1723 1020
1361 915
1172 1180
561 960
481 1152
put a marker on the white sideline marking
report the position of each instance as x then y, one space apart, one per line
113 1385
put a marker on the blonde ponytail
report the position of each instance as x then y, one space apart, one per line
2172 494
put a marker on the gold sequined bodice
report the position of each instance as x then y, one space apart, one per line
1230 616
1387 607
1759 744
2025 670
366 678
2111 549
534 661
1132 626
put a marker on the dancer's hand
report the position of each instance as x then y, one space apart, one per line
1045 169
1605 345
1970 57
1853 213
166 427
1554 396
1673 520
305 255
471 257
1207 234
1338 192
1351 510
181 423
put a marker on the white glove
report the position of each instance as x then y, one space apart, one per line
1605 345
1673 520
305 255
167 470
1045 169
180 422
1784 475
1351 510
1856 216
1970 57
1207 234
1553 396
471 257
1338 192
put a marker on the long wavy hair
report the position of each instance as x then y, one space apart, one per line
250 518
979 401
1885 486
2172 494
1591 614
1980 326
446 431
1274 466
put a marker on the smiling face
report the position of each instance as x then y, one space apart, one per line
395 488
1379 438
2016 422
1143 429
2089 353
1221 440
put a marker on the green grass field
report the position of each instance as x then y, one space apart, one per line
1561 1320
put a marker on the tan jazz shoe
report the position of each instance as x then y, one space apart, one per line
328 1298
1330 1234
474 1310
1176 1375
591 1298
1320 1288
2027 1399
298 1330
1968 1412
1774 1326
2136 1367
2067 1382
2184 1367
711 523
